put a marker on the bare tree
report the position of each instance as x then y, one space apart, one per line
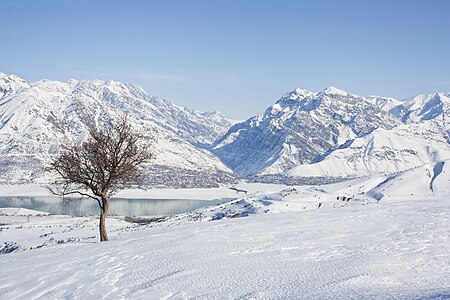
105 163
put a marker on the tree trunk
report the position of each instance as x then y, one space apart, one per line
104 211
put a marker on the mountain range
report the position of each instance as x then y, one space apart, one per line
327 135
336 134
37 119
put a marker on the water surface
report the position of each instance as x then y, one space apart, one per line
118 206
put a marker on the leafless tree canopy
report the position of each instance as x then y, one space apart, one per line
106 162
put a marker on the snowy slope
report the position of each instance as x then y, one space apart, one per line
397 251
394 248
425 182
330 134
10 84
382 151
425 138
335 135
424 107
385 103
429 181
432 107
198 128
36 119
297 129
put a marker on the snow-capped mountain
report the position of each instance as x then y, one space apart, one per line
335 134
385 103
381 151
432 107
300 128
37 118
198 128
9 84
425 107
329 134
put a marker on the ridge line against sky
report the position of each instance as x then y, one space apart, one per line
236 57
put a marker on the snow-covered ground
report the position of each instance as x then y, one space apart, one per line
374 237
23 229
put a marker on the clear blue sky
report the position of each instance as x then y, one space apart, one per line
237 57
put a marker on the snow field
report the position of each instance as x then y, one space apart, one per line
391 247
392 250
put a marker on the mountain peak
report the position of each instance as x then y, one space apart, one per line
38 120
11 83
210 113
297 94
11 77
300 91
331 90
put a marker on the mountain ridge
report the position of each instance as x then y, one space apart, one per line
37 118
333 120
304 133
301 125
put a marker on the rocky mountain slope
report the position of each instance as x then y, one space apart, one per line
329 135
298 129
434 108
37 118
335 134
382 151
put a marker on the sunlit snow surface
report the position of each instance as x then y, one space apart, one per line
337 134
391 240
38 119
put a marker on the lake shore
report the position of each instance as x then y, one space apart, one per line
37 190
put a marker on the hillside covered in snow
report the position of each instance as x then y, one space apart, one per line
305 137
374 237
333 135
37 119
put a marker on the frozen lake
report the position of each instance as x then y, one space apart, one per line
118 206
